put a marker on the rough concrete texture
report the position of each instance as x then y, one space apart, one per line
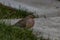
44 7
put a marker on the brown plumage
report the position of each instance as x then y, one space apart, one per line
26 22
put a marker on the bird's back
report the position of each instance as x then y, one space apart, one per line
26 22
21 23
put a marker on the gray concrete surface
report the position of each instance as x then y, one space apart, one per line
49 9
41 3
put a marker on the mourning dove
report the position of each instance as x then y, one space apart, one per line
28 22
